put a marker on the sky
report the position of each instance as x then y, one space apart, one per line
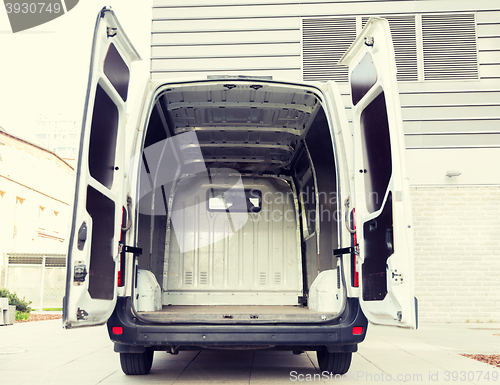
44 70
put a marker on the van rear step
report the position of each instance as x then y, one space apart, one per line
268 313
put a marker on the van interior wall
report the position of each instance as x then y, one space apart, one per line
152 222
151 238
316 178
319 143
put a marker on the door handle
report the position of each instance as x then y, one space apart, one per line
82 236
347 224
389 240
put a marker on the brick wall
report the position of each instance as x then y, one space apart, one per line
457 253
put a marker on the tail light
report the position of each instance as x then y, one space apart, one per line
354 258
357 330
121 262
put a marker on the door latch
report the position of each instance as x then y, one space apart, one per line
80 272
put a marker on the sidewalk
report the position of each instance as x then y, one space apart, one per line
43 353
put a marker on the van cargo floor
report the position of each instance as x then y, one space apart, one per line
268 313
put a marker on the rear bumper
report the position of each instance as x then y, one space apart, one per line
336 336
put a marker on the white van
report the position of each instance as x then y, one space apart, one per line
240 212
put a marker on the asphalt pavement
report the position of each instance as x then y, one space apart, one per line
44 353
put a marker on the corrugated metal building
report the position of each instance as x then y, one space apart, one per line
448 60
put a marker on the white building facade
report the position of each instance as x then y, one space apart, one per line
35 194
448 60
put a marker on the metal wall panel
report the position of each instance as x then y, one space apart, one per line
283 73
166 10
259 37
218 64
250 50
260 261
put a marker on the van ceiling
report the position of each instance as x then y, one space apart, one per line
248 126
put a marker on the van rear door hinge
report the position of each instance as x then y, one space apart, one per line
111 31
397 277
345 250
81 314
129 249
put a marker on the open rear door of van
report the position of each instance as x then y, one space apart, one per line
381 190
97 213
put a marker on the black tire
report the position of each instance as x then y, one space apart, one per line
136 363
335 363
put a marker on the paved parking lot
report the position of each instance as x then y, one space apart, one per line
43 353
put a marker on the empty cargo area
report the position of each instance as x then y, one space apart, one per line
237 206
248 254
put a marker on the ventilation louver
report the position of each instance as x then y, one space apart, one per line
449 46
324 41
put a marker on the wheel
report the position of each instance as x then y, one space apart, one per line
335 363
136 363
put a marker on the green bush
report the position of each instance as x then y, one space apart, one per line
21 304
21 316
